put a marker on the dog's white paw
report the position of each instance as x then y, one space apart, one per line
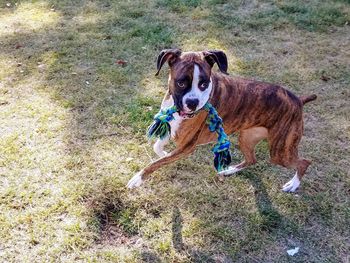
162 154
159 146
135 181
292 185
230 170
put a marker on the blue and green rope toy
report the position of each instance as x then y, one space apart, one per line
160 128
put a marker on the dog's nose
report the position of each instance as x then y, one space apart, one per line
192 104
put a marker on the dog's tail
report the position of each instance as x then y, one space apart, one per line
306 99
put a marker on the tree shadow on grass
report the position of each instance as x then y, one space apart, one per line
177 240
149 257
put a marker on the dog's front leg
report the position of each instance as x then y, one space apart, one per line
178 153
158 146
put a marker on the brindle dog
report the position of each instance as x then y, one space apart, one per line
257 110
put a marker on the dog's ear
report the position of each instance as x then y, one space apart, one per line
169 55
218 57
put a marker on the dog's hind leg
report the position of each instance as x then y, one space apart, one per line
294 183
284 151
248 139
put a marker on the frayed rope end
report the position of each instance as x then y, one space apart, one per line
222 160
158 129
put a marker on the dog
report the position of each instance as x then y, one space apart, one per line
256 110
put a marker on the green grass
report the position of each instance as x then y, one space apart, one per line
179 6
73 123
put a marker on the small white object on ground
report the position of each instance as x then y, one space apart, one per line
292 252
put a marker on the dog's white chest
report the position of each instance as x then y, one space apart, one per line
174 124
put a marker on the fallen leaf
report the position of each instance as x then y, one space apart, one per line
121 62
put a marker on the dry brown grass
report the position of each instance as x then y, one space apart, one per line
72 125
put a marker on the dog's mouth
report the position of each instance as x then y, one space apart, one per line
187 115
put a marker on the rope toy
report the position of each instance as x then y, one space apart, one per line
160 128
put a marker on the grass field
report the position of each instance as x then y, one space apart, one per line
73 121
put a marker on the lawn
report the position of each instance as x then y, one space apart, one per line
77 92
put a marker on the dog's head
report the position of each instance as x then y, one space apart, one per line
190 76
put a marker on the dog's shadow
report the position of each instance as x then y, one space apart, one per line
272 220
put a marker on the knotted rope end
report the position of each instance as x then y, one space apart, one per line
160 128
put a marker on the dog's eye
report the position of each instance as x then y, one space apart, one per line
181 84
204 85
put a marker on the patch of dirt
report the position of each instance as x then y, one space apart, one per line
111 233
